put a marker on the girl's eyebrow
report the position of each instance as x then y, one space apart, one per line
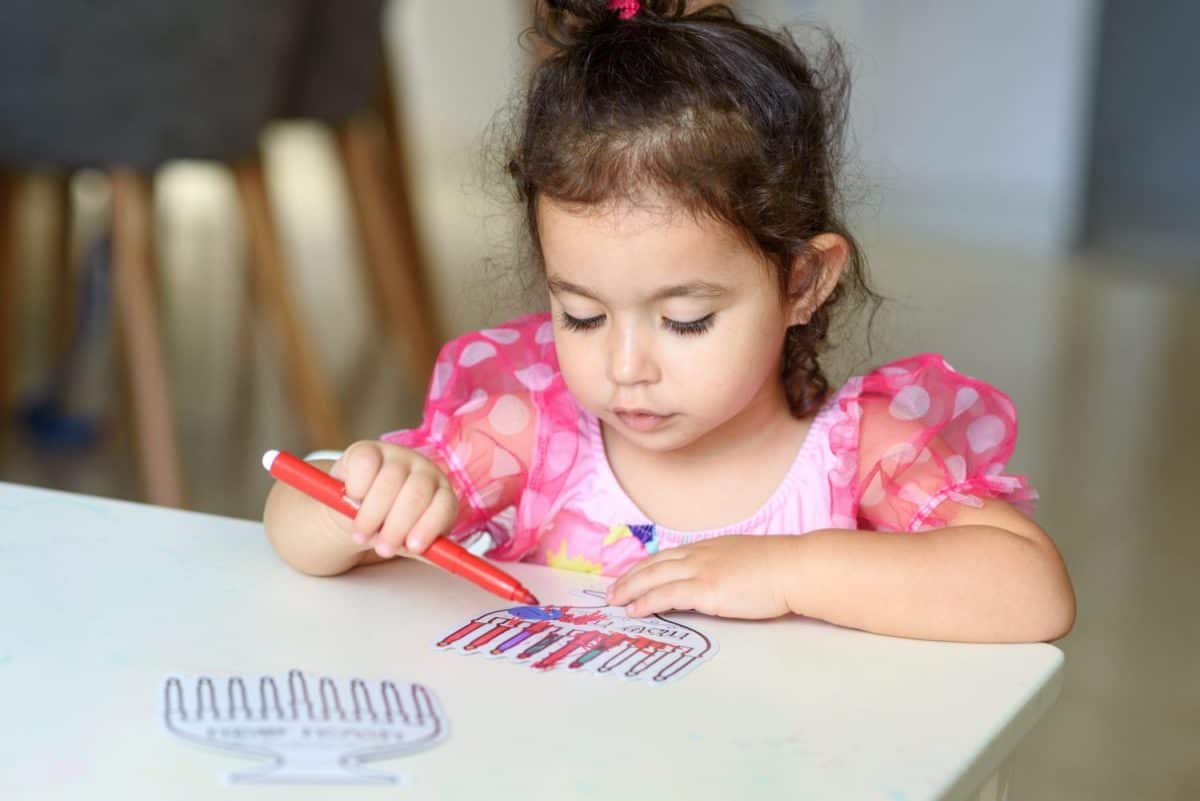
692 289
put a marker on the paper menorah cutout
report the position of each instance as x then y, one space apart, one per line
601 640
318 732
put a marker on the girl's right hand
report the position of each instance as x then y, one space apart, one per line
406 500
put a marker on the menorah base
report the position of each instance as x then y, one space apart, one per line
322 770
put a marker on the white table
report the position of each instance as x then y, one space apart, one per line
101 599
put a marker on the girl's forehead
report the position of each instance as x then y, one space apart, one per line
642 255
638 228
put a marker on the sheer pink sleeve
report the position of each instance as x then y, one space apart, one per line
920 435
481 419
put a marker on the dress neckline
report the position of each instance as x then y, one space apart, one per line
782 492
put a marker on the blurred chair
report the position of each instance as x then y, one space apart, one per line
126 87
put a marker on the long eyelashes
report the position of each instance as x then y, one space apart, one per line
690 328
581 324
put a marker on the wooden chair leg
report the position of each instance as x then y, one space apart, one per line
62 294
373 155
133 281
388 235
10 290
312 394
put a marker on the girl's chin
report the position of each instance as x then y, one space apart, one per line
662 439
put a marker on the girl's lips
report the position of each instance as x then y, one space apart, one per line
642 421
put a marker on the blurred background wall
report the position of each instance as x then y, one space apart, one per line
1005 168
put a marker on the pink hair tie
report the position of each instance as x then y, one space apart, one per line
625 8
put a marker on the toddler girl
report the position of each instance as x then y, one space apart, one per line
668 422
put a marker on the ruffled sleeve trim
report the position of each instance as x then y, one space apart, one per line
947 438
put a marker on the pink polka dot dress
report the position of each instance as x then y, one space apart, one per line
886 452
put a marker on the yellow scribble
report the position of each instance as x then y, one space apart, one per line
617 533
577 563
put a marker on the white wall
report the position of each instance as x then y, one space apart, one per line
969 116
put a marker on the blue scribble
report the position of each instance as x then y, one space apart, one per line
535 613
647 535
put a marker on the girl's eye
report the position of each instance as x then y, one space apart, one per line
690 328
581 324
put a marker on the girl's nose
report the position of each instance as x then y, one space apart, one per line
630 356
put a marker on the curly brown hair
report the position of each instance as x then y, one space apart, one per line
726 119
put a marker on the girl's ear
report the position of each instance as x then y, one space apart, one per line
815 273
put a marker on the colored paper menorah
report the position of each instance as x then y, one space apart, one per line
601 640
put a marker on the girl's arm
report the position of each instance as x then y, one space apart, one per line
306 535
992 575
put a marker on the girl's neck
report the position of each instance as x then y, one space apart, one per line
740 465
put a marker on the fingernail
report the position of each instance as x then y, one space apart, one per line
385 550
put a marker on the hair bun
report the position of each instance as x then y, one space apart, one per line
568 23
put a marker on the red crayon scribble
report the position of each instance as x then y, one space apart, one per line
598 648
496 631
463 632
577 639
517 639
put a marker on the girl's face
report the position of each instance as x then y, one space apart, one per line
667 327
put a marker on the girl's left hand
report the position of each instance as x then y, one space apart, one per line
737 576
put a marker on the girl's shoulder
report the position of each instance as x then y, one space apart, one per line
518 354
915 431
926 389
508 375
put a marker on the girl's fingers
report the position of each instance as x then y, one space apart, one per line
634 585
358 467
617 587
436 521
682 594
669 555
377 500
411 502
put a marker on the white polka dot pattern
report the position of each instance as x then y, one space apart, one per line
910 403
477 401
441 375
476 352
956 466
503 464
501 336
510 415
964 399
985 433
536 377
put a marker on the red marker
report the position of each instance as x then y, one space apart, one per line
444 553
